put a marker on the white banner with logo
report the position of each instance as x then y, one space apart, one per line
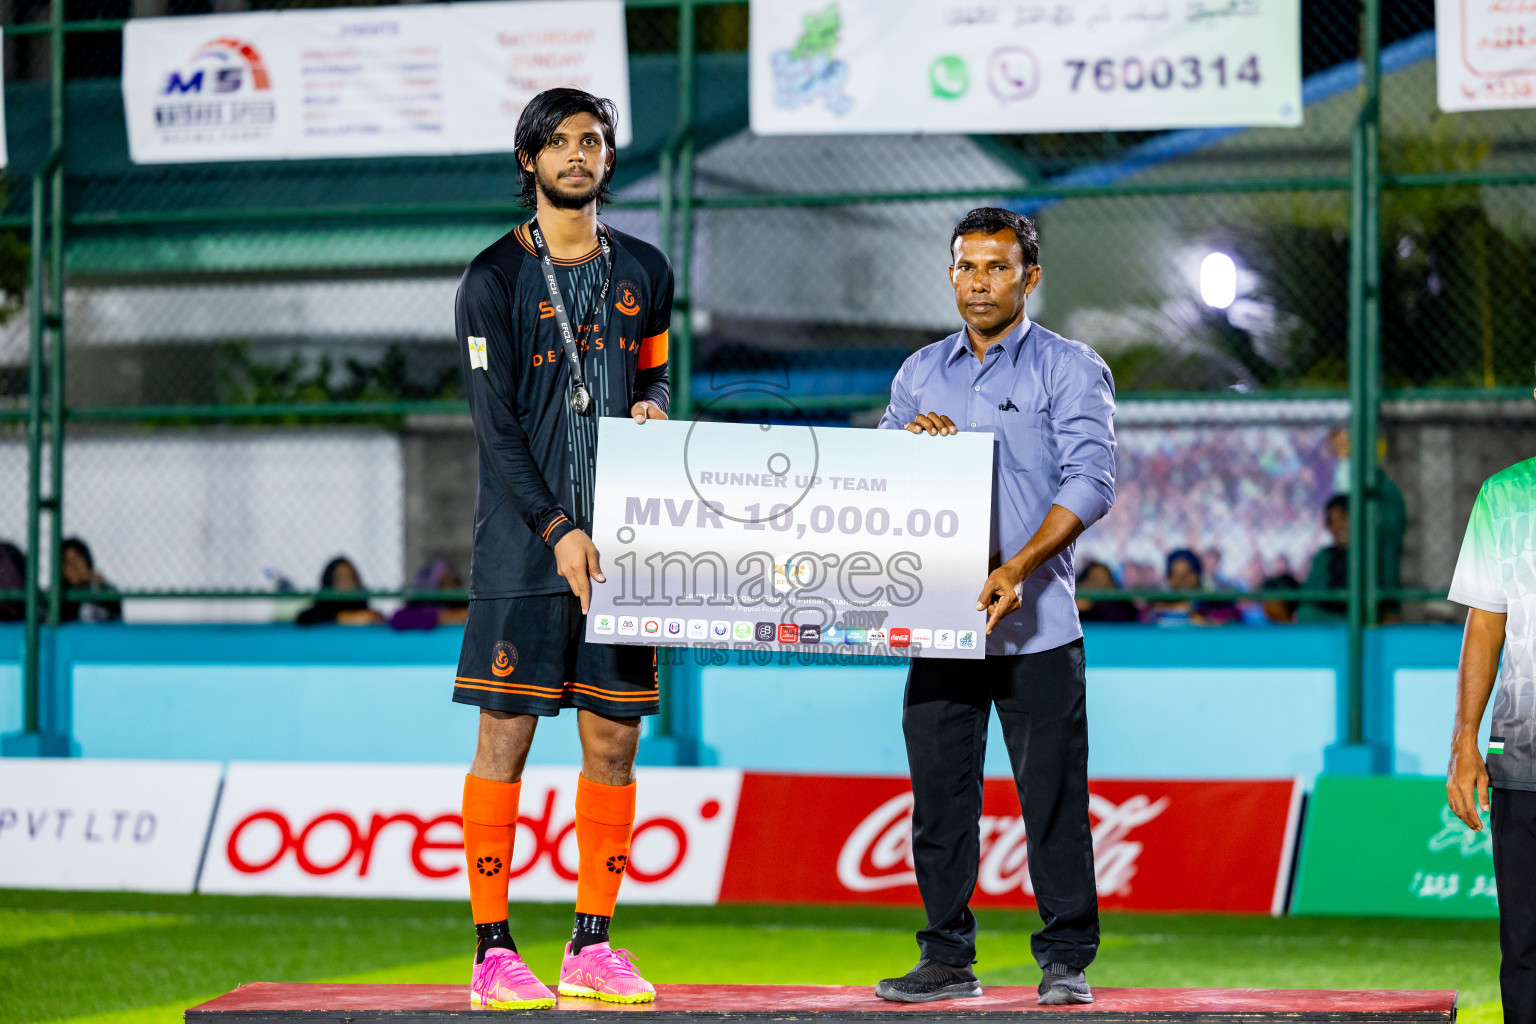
72 823
838 66
361 81
394 831
1485 54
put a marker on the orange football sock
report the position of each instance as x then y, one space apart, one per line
490 824
605 817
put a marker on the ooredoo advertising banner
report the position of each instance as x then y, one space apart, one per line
838 66
1485 54
1390 846
69 823
1173 846
395 831
361 81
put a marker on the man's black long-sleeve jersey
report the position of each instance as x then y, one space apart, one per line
537 456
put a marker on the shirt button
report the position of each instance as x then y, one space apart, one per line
973 424
977 388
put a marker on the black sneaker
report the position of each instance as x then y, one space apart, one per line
930 981
1062 986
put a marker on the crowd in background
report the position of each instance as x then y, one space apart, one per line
78 567
1263 490
340 576
1272 499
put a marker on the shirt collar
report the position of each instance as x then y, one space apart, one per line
1012 342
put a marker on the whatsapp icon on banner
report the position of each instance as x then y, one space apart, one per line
948 77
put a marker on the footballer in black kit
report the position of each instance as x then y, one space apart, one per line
560 322
523 650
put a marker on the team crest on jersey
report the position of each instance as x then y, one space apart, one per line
627 298
503 659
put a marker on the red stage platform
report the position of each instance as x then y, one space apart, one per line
826 1004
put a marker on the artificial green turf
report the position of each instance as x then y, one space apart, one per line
69 955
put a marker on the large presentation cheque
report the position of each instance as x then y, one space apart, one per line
791 538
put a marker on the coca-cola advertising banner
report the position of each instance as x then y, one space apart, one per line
1172 846
394 830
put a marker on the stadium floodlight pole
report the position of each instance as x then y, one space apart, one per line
1364 362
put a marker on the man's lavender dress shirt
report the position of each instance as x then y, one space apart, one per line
1050 405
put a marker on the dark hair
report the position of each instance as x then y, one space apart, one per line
1093 564
328 574
1338 501
539 121
13 566
80 548
989 220
1285 581
1188 556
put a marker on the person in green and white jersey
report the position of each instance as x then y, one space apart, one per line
1496 579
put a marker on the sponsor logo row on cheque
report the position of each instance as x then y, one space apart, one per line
663 630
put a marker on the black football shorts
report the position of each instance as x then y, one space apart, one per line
527 656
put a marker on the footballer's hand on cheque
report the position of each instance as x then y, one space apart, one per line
576 560
643 411
933 424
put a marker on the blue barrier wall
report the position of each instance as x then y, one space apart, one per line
1168 703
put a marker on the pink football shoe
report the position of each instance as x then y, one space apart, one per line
503 982
601 972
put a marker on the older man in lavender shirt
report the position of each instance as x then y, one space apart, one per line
1049 403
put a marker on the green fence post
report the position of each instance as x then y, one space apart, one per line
55 501
38 302
1352 754
40 737
680 359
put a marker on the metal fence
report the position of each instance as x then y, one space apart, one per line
260 369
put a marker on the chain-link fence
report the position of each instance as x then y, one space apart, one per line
260 370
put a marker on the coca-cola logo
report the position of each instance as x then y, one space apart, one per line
878 852
336 840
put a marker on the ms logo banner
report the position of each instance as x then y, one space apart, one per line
360 81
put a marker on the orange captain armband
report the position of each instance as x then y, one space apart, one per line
653 351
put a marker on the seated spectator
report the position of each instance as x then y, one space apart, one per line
1391 517
1185 572
13 576
1276 610
1097 576
1210 559
78 568
1330 567
339 575
424 614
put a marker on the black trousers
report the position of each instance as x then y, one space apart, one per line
1514 853
1040 703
